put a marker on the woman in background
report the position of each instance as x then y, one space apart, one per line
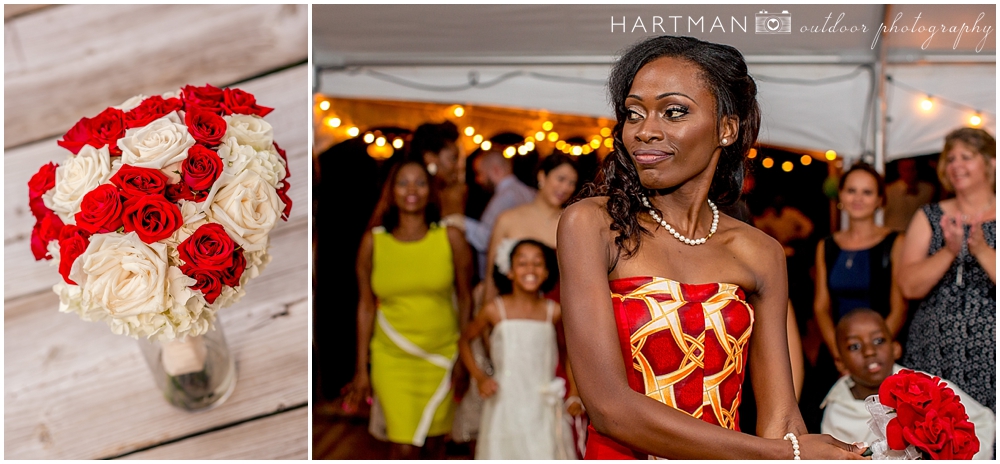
434 146
949 263
409 271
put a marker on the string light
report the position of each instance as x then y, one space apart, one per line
605 132
353 131
553 136
529 139
768 162
369 137
478 139
458 111
926 104
509 152
806 160
595 143
397 144
560 145
975 120
333 122
469 131
522 150
485 145
787 166
587 150
610 143
547 125
577 150
831 155
539 135
752 154
380 141
529 146
324 105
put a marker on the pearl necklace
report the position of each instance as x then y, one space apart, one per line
677 235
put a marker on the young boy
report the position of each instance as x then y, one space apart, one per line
867 356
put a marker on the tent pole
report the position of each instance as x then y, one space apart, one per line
881 141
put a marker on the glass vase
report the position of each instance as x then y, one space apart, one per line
193 373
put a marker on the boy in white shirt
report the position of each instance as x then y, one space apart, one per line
867 356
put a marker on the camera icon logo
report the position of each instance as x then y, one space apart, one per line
774 23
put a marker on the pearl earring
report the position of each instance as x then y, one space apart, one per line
724 141
432 169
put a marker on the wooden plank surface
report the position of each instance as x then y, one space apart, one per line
70 61
285 91
74 390
281 433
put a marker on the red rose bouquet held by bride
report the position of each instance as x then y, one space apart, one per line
919 416
162 211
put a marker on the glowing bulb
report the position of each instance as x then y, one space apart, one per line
353 131
369 137
596 143
529 146
522 150
478 139
577 150
397 144
553 136
547 125
975 120
529 139
509 151
787 166
752 154
587 149
485 145
380 141
768 162
605 132
324 105
458 111
560 145
926 104
610 143
539 135
333 122
469 131
806 160
831 155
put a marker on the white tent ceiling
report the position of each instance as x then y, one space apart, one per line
816 88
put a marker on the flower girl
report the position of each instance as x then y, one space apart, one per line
522 416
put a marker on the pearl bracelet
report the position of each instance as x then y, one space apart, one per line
795 445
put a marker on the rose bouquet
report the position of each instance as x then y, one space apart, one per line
917 416
161 213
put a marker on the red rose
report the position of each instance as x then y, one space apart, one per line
73 241
240 102
284 156
100 210
151 109
46 229
207 98
106 128
181 191
205 126
283 195
42 181
201 167
152 217
77 137
231 275
209 248
135 181
909 388
207 282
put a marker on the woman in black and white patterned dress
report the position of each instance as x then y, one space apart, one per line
949 261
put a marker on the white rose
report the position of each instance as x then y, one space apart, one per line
74 178
250 130
267 164
160 143
248 207
235 156
131 103
71 301
122 275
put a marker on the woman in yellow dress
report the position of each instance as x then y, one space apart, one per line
410 269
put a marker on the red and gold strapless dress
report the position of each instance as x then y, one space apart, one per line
684 345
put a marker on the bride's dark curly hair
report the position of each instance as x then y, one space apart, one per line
725 74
